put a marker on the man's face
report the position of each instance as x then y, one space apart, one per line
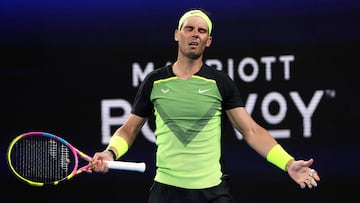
193 37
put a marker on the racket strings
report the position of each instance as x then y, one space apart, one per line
41 159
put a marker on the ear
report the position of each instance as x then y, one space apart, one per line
176 35
208 42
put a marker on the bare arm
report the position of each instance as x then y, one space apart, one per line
255 136
262 142
131 128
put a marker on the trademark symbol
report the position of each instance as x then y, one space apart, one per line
330 93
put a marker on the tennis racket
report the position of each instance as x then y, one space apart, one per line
40 159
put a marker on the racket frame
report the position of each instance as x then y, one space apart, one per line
120 165
74 151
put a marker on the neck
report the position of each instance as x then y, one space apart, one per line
184 69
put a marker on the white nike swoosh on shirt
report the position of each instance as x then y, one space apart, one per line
203 90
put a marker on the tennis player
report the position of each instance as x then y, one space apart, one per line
188 99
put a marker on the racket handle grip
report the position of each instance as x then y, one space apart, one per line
125 165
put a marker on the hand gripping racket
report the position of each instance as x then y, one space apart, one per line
41 159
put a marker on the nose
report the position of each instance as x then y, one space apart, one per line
195 34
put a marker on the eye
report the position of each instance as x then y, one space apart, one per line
189 28
202 30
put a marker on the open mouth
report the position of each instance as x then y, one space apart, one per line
194 44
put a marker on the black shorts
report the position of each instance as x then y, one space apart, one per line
162 193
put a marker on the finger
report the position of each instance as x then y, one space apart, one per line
312 171
313 182
314 174
302 185
308 183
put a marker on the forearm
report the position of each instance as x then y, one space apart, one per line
125 135
260 140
